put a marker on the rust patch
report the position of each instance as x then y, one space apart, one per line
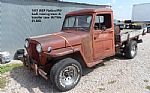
87 48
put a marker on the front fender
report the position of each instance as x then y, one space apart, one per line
62 52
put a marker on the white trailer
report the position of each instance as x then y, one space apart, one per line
140 12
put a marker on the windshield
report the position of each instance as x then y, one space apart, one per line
83 21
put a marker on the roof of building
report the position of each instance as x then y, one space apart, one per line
52 3
76 3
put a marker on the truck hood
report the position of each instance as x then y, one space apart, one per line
60 39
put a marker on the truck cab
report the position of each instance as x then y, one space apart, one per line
87 37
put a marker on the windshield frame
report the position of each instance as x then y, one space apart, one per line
87 28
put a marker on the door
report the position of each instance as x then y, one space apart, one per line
103 37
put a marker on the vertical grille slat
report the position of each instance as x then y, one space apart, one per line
33 53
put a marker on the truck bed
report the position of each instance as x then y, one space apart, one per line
127 34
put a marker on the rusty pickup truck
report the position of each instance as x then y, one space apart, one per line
86 38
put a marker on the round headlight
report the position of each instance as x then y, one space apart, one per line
26 44
49 49
39 48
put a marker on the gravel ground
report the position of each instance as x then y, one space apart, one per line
118 75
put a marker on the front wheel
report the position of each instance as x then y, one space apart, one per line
66 74
131 49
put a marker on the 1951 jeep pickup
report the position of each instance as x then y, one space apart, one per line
87 37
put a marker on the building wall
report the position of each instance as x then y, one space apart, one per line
17 22
140 13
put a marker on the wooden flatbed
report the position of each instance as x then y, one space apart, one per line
127 34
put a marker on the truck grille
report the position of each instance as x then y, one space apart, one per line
33 53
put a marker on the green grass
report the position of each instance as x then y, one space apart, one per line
6 68
9 67
3 82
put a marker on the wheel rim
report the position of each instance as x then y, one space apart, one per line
69 75
133 50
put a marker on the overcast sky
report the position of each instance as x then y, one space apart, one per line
122 8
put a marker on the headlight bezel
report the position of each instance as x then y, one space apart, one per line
39 48
26 44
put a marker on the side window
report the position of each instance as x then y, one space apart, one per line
102 21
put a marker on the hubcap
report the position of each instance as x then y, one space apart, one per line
133 50
69 75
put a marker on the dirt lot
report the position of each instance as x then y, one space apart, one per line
118 75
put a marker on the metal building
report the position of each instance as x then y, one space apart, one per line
140 13
19 19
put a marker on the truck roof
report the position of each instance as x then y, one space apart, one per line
90 11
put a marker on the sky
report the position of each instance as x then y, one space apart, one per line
122 8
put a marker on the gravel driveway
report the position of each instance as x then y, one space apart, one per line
118 75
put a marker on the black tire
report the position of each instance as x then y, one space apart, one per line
60 73
131 49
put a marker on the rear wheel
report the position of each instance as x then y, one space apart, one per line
131 49
66 74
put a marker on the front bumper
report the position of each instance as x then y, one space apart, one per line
30 63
